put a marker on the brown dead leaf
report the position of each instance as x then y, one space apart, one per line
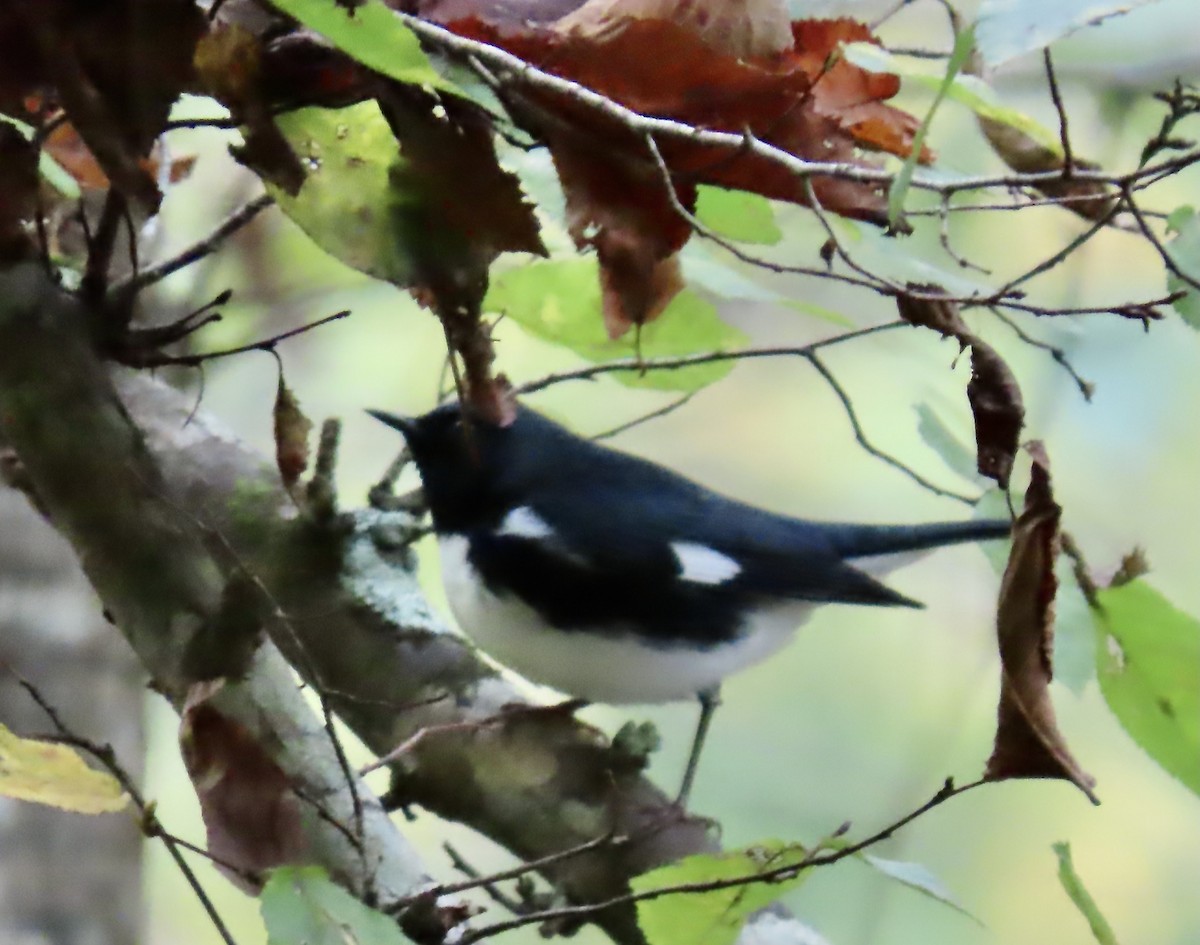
292 429
1091 200
795 93
251 815
1028 743
461 209
993 392
229 63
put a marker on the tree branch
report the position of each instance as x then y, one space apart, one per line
147 557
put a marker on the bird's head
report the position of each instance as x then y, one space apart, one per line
462 463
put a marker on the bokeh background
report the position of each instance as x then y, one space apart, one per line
864 716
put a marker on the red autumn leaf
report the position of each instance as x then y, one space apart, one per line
746 30
731 68
251 815
1028 743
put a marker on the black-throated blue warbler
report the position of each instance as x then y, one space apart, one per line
613 579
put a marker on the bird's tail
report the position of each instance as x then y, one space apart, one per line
858 541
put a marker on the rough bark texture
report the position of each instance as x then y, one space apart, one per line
66 879
166 511
147 555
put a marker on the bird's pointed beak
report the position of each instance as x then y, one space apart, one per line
405 425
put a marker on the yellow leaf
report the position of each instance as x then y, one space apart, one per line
32 770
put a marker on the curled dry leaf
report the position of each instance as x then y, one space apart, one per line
993 392
1028 743
1089 199
251 815
292 428
793 92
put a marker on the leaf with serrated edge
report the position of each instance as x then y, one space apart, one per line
559 301
371 34
715 917
55 775
1147 653
1184 250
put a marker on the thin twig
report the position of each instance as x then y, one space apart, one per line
1163 252
861 437
105 755
1086 388
1068 161
477 881
637 421
691 360
945 793
267 344
198 250
511 68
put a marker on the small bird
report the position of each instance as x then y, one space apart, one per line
613 579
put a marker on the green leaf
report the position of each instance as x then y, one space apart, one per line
301 906
946 443
1185 252
968 90
738 215
371 34
55 775
559 301
897 192
1147 652
348 201
714 917
918 877
1083 900
1010 28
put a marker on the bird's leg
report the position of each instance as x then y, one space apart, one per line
709 700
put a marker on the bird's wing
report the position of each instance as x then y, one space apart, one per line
678 542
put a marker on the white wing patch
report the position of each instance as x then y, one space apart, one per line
524 522
703 565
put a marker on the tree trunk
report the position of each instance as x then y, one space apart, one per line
66 879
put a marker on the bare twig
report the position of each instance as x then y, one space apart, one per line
198 250
267 344
1063 135
476 881
663 411
945 793
105 755
861 436
691 360
1086 388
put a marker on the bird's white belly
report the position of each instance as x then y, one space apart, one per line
601 667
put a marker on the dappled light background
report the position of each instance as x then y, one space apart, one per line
865 715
